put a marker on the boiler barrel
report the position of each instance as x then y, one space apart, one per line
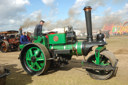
76 48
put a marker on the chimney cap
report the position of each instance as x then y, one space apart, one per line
87 8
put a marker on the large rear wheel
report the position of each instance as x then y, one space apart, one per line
106 58
34 59
4 46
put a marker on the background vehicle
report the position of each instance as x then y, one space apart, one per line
56 50
10 41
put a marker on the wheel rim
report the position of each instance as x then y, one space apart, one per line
103 61
4 49
35 59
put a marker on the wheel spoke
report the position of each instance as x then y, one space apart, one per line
42 55
37 52
28 59
32 64
103 61
94 61
37 65
30 52
42 64
107 63
40 59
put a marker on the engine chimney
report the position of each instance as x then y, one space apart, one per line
87 11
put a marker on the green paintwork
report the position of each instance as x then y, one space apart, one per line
41 39
76 48
61 45
61 38
79 48
39 56
21 46
97 55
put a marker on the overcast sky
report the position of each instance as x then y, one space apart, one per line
13 13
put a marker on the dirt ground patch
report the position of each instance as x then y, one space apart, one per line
121 51
72 74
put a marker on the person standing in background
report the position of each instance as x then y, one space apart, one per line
24 39
28 36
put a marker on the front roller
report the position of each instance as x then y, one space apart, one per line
103 67
34 59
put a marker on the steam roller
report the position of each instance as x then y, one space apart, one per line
57 49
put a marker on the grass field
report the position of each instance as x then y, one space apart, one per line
72 74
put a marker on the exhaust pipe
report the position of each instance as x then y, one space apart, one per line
87 11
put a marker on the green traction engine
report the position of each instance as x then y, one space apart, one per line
56 50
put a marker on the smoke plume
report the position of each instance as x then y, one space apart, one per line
29 22
75 13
